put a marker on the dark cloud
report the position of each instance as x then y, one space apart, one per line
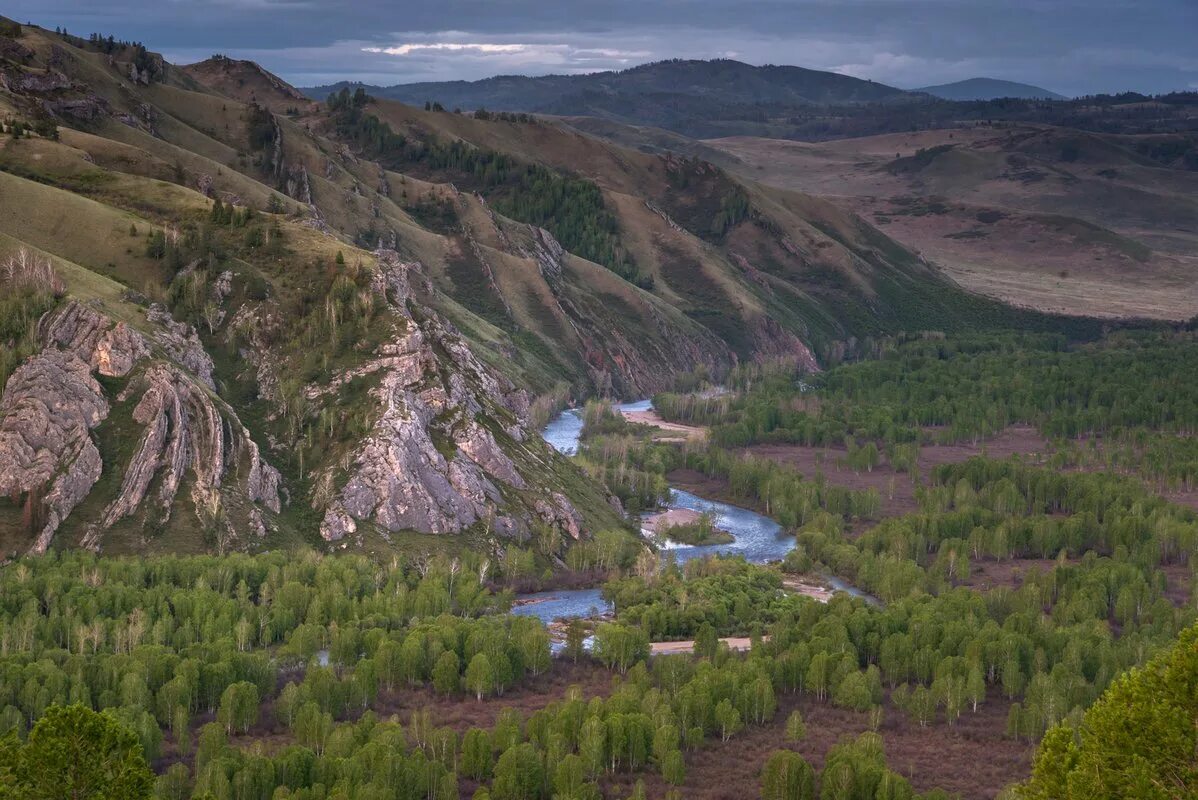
1072 47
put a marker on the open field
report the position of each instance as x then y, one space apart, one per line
897 489
972 758
1040 217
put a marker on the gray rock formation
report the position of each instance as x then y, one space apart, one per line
181 343
47 456
53 401
186 430
430 464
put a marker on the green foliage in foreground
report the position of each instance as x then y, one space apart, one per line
1138 742
77 754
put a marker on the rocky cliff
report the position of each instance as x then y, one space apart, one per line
433 461
49 461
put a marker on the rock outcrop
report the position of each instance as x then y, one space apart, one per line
47 457
432 462
181 343
185 430
52 403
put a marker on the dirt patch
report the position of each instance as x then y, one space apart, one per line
807 587
462 712
987 574
972 758
1179 580
897 489
736 644
651 417
1183 497
706 486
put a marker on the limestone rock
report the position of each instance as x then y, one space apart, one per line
112 350
181 343
53 401
49 406
428 464
557 510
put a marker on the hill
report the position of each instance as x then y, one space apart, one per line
988 89
1051 218
724 98
718 80
241 321
680 95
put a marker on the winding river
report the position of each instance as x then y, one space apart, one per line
758 538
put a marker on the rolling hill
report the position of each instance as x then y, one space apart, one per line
238 320
1050 218
988 89
719 81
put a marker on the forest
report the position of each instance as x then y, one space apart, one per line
570 207
302 675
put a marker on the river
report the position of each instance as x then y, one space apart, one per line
758 538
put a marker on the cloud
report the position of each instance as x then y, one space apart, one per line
453 47
1072 46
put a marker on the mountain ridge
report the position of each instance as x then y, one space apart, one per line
723 80
982 88
387 301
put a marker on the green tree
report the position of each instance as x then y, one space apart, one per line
446 673
728 718
569 777
853 692
239 707
480 676
796 728
673 768
787 776
74 753
1138 742
519 774
476 754
620 646
576 635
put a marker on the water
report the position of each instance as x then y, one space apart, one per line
758 538
548 606
564 430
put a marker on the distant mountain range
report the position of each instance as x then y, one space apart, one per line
721 98
675 82
988 89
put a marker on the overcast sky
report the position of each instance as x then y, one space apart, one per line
1069 46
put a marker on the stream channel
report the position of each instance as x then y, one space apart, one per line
758 538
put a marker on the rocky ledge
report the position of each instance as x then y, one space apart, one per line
49 461
432 462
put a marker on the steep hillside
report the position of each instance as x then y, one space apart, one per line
200 363
988 89
273 321
1056 219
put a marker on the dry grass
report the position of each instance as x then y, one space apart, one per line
1032 256
972 758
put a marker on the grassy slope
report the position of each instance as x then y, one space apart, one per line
1043 217
76 200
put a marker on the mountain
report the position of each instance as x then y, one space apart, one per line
689 96
988 89
236 320
719 81
1041 216
719 99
